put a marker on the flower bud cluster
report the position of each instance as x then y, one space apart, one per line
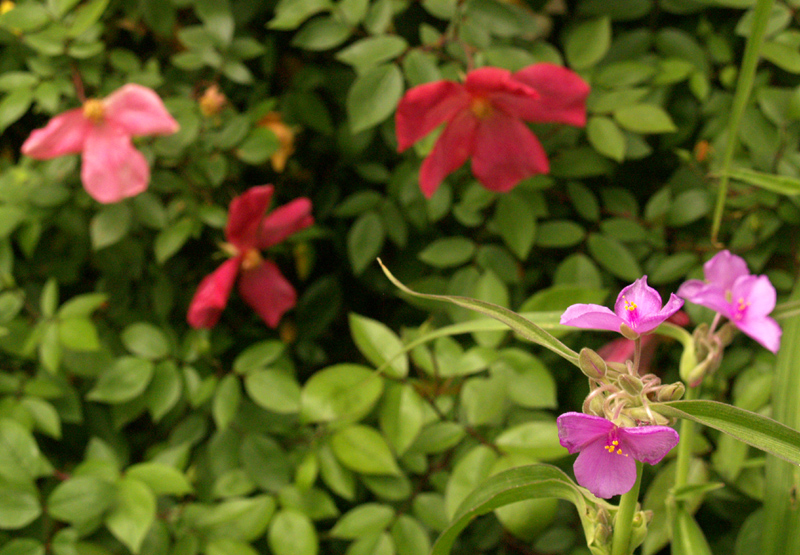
623 396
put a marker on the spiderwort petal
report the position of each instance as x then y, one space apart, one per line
638 306
605 465
745 299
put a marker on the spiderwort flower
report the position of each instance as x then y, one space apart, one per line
261 284
745 299
638 306
102 129
483 120
605 465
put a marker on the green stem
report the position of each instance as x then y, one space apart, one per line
744 86
684 455
623 525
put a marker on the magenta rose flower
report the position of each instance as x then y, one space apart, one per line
260 282
112 169
744 299
605 465
638 306
483 120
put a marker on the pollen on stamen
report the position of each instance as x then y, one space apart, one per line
94 110
481 107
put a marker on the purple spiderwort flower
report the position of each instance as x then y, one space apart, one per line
638 306
605 465
745 299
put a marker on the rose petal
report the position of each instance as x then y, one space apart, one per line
112 169
450 151
266 290
602 473
648 444
500 89
562 94
724 268
245 215
284 221
64 134
212 295
505 151
576 430
423 108
139 111
591 316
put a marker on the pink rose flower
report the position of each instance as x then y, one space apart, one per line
483 120
638 306
745 299
112 168
261 284
605 465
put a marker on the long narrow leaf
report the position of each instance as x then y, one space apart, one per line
781 184
522 326
751 428
511 486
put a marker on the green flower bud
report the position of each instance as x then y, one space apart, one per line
592 364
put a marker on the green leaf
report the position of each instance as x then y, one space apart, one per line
86 16
258 146
343 392
109 225
447 252
14 106
22 546
20 458
145 340
322 33
538 440
19 505
165 389
587 42
365 240
217 18
82 305
781 184
516 322
516 223
373 96
362 449
401 416
78 334
782 55
81 499
371 51
558 234
365 519
606 138
265 461
162 479
379 345
257 356
644 118
292 533
46 418
228 546
226 401
172 238
133 513
751 428
614 257
289 14
274 390
687 536
511 486
125 380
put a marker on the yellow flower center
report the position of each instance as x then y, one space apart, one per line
6 6
481 107
614 448
741 307
94 110
629 306
251 259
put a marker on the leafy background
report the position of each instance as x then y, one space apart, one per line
123 430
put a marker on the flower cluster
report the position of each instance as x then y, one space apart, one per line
617 426
112 169
483 120
262 286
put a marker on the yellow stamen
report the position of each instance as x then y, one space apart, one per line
481 107
629 306
94 110
251 259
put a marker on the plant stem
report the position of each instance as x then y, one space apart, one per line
685 444
744 85
623 525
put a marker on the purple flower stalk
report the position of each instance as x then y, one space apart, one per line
744 299
605 465
638 306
